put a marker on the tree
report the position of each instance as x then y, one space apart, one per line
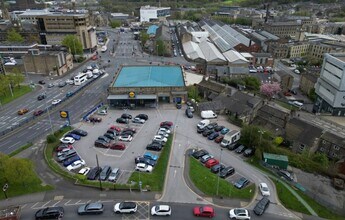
193 93
252 83
17 77
160 47
14 37
115 24
143 37
270 89
73 44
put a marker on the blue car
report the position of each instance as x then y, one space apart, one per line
151 156
224 130
241 183
74 136
213 136
69 161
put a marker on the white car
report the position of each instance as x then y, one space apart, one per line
162 210
56 101
165 130
239 213
162 133
143 167
125 207
84 171
75 165
70 82
264 189
138 120
127 138
160 138
67 140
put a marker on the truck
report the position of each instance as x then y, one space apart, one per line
203 124
208 114
10 213
230 138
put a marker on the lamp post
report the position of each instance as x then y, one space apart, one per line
261 133
220 162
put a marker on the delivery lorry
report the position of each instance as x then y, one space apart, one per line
230 138
208 114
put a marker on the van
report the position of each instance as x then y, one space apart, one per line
105 173
297 104
230 138
208 114
202 124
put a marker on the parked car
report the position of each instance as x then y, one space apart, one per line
219 139
106 170
239 213
70 160
249 152
145 161
125 207
41 97
189 113
101 144
113 132
217 168
84 171
91 208
285 174
138 120
207 132
211 162
206 158
130 129
74 136
211 126
160 138
63 146
201 130
168 123
143 167
264 189
56 101
126 116
103 138
123 133
109 135
114 175
38 112
127 138
94 172
161 210
218 127
234 146
178 105
122 121
204 211
76 165
142 116
151 156
241 183
164 130
240 149
190 108
118 146
200 153
213 136
50 213
261 206
162 133
79 132
94 118
115 128
23 111
154 147
67 140
227 171
66 155
224 130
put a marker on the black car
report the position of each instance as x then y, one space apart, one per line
200 153
207 132
122 121
142 116
79 132
94 172
261 206
189 113
113 132
41 82
213 136
200 130
154 147
233 146
227 171
178 105
129 129
212 125
219 127
241 149
101 144
249 152
166 127
126 116
285 174
217 168
145 161
50 213
103 138
158 142
41 97
109 135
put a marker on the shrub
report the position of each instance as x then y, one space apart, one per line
51 138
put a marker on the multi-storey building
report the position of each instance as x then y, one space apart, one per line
283 29
330 87
151 14
54 27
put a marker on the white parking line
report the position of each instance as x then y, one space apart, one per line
56 203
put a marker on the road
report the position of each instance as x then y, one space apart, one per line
280 66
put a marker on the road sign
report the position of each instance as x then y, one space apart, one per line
5 187
64 114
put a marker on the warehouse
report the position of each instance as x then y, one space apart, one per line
147 86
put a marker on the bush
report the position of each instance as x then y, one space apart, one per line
51 139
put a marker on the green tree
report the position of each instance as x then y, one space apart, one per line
321 159
143 37
115 24
73 44
14 37
16 77
193 93
252 83
312 94
160 47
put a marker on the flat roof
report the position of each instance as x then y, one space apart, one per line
150 76
276 157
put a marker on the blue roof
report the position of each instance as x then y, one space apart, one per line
149 76
152 30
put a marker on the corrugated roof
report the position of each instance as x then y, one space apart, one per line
235 57
211 53
269 35
193 51
276 157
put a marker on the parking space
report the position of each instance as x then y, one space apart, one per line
143 212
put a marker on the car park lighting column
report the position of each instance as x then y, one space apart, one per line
220 162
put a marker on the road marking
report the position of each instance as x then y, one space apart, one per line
175 173
56 203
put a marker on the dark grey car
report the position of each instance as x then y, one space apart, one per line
91 208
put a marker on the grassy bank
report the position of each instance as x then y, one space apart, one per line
17 92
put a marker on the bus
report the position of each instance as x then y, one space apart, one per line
80 78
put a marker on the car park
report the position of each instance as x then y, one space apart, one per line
206 158
151 156
101 144
84 171
160 138
210 163
240 149
241 183
204 211
56 101
79 132
142 116
239 213
109 135
199 153
117 146
161 210
227 171
122 120
50 213
106 170
145 161
67 140
143 167
103 138
264 189
91 208
94 172
75 165
125 207
261 206
213 136
127 138
70 160
249 152
38 112
138 120
126 116
114 175
154 147
23 111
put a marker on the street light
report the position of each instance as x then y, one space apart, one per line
220 162
261 133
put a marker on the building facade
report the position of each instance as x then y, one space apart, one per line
283 29
153 14
307 83
330 87
332 145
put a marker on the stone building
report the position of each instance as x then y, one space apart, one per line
307 82
285 80
332 145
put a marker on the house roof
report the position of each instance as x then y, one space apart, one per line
214 106
333 138
307 132
276 112
212 86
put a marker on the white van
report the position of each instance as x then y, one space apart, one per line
208 114
203 124
297 104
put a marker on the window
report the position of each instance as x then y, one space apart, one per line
334 155
301 147
336 147
324 141
322 149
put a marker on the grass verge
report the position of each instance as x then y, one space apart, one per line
26 146
155 180
17 92
208 183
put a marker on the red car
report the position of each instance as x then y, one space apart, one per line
210 163
38 112
118 146
130 129
94 57
204 211
116 128
219 139
63 146
169 123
